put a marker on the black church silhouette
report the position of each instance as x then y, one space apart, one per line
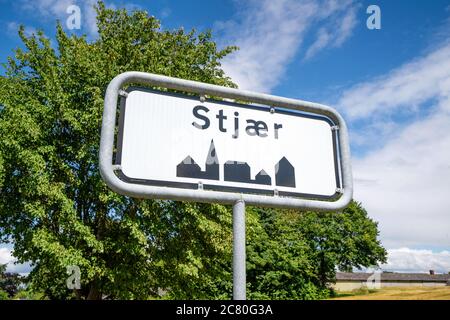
190 169
236 171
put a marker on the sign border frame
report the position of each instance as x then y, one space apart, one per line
108 134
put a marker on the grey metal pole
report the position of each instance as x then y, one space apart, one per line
239 256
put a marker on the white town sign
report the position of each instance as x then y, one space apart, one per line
179 141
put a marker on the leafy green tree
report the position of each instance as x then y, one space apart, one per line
55 208
341 241
294 255
279 264
27 294
3 295
9 282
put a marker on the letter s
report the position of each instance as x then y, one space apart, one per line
195 111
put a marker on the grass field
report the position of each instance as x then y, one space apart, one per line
399 293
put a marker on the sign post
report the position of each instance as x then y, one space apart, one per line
239 255
273 152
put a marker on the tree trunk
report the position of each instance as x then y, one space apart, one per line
94 293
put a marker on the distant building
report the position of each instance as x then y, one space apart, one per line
348 281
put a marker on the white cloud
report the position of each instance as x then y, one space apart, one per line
404 181
406 184
58 10
7 258
410 260
323 39
403 89
47 7
345 28
335 34
269 34
165 12
13 28
90 17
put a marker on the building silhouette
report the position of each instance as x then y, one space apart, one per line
188 168
262 178
284 173
236 171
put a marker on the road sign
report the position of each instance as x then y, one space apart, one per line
278 152
274 151
177 141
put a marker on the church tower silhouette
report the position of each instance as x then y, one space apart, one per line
190 169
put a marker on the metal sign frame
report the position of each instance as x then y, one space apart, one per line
109 170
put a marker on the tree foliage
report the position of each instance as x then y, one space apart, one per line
294 255
4 295
57 212
345 241
54 206
279 260
10 283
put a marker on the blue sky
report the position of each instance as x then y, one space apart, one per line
392 86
